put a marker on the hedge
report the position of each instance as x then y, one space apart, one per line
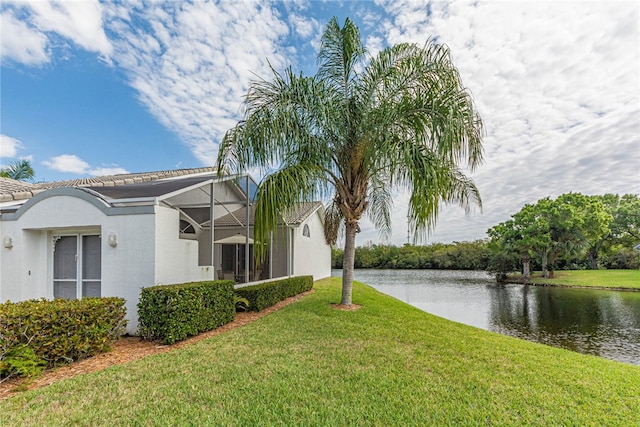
171 313
60 331
265 295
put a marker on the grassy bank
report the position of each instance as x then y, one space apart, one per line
618 279
309 364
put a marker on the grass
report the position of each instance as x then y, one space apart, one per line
617 279
309 364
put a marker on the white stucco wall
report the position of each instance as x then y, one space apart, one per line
34 255
176 259
311 255
129 266
10 264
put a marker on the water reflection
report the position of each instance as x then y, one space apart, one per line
591 322
603 323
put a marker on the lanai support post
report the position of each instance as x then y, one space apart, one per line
211 230
246 245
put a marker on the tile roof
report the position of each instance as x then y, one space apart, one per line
10 189
298 214
17 190
295 216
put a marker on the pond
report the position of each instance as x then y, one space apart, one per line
601 323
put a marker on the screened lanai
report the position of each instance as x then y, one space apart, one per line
197 199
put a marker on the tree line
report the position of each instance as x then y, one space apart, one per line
573 231
442 256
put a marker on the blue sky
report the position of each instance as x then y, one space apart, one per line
95 88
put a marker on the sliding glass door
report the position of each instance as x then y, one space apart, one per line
77 266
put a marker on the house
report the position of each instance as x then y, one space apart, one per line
113 235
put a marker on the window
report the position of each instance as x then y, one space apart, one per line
305 231
186 227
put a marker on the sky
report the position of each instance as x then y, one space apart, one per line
95 88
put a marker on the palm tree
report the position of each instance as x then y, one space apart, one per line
356 132
20 170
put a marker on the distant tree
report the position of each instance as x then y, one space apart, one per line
526 234
336 258
500 264
577 223
20 170
357 130
626 219
617 246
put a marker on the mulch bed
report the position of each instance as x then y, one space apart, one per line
127 349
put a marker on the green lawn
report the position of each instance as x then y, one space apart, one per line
387 364
623 279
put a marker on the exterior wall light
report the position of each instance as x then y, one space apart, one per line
7 242
113 240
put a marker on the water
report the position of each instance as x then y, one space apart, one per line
602 323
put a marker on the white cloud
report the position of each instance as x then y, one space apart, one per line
191 64
304 26
68 163
28 40
20 43
557 87
9 146
374 45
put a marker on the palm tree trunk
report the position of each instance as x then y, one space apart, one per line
348 262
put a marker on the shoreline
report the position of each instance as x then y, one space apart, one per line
564 285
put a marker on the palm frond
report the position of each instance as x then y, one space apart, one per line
333 223
380 204
19 170
280 192
341 50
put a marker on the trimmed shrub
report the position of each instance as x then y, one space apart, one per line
267 294
171 313
58 331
